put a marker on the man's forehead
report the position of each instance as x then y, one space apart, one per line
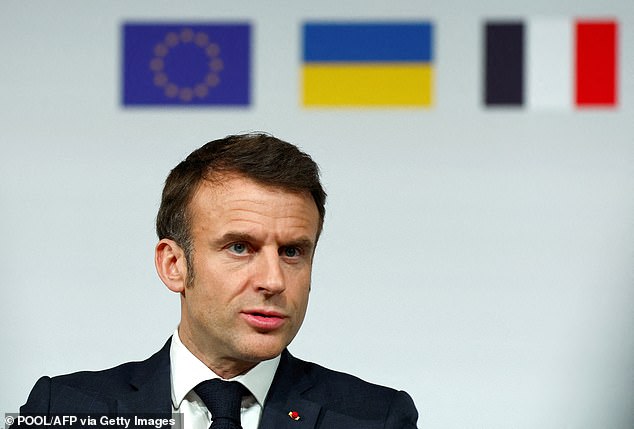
235 204
236 188
233 181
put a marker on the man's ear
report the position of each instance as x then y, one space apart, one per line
171 265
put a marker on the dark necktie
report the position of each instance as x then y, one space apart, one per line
223 399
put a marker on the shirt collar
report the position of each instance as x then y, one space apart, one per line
187 371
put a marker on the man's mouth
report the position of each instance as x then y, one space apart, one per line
263 320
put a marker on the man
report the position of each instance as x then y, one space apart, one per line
238 226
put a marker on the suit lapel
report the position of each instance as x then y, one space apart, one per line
151 393
150 386
286 396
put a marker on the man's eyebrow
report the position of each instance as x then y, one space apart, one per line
235 236
302 242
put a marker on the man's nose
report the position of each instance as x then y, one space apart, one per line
270 276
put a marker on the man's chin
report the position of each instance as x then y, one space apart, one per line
259 351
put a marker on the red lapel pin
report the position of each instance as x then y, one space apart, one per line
293 415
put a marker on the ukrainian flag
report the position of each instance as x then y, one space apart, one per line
367 64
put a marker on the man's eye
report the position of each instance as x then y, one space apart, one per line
238 248
291 252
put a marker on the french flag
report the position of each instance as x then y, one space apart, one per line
551 63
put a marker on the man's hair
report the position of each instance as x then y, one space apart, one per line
262 158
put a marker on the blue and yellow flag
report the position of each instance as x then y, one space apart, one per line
186 64
368 64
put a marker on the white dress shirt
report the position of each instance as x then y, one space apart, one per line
187 371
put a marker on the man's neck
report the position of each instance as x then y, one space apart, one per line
224 368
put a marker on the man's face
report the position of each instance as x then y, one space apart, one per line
252 259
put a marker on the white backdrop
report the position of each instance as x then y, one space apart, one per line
480 259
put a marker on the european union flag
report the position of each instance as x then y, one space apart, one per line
185 64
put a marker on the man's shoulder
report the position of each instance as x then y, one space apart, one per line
74 391
338 386
120 375
100 380
344 397
327 377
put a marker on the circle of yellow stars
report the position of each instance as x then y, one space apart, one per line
200 89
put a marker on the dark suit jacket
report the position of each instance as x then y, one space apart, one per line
323 398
